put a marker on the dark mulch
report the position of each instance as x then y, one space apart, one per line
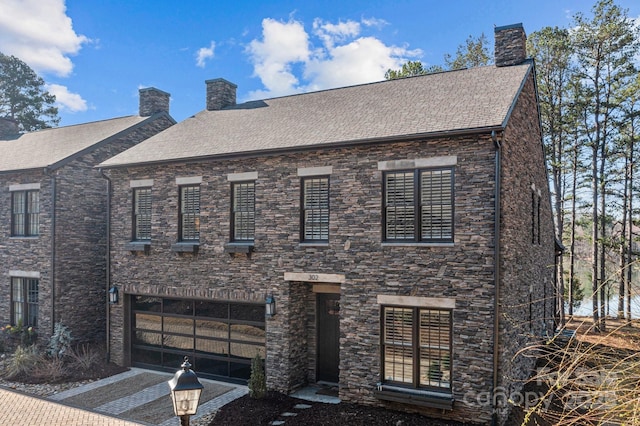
247 411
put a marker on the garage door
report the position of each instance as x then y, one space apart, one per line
220 338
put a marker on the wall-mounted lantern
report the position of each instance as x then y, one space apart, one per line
270 305
113 295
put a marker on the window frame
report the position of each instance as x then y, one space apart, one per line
135 215
28 308
417 204
322 227
29 225
237 212
183 215
415 350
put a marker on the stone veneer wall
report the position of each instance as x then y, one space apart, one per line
464 271
80 274
28 254
526 266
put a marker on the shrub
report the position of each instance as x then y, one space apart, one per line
23 362
60 341
49 370
84 357
257 381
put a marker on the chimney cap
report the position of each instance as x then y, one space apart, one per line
508 27
149 89
215 80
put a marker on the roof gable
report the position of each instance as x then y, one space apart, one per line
454 101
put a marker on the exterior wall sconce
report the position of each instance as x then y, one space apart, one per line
270 305
113 295
185 392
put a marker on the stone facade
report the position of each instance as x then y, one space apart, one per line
510 45
220 93
355 260
75 255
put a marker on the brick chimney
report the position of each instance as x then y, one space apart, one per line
8 127
220 94
510 45
153 100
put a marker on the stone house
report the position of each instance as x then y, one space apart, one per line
53 211
401 231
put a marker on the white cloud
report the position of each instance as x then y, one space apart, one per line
205 53
288 61
283 44
374 22
71 102
39 33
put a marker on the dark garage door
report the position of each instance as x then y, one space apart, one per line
220 338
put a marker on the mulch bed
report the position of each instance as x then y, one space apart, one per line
247 411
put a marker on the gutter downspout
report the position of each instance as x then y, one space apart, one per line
108 266
497 277
54 194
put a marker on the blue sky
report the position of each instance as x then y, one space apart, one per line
96 54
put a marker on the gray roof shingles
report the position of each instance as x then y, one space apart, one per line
45 148
452 101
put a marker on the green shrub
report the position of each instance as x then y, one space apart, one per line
257 381
60 341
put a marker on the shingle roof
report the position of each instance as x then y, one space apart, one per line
49 147
476 98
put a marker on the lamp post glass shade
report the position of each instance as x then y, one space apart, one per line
185 390
113 295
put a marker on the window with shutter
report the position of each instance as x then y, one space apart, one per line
243 211
189 213
142 214
418 205
315 209
416 347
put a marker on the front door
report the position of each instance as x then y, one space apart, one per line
328 309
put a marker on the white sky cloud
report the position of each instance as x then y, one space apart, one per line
205 53
66 100
39 33
287 61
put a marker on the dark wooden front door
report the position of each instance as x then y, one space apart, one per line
328 309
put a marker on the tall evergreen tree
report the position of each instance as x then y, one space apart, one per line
23 97
605 47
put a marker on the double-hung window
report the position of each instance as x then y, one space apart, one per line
25 213
142 214
418 205
243 214
416 347
24 301
189 220
315 209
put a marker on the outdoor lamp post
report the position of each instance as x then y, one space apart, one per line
185 392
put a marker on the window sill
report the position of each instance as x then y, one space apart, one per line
313 244
24 237
422 398
185 247
138 246
415 244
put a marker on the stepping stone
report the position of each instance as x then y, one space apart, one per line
287 414
301 406
277 423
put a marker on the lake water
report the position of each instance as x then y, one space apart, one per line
586 307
